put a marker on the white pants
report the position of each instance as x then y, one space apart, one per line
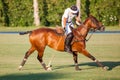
67 28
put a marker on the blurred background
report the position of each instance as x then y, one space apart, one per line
22 15
14 13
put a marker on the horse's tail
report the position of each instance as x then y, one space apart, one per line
27 32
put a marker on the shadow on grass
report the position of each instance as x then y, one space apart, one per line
55 75
36 76
110 64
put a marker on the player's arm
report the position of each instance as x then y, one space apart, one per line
78 21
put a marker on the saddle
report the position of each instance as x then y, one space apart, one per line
60 31
62 37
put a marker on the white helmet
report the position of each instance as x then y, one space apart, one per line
74 9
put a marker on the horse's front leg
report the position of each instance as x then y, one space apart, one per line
43 64
75 58
86 53
40 56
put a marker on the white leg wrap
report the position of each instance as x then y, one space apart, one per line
20 67
76 64
25 59
49 69
42 63
96 60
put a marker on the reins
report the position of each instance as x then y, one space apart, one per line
89 36
83 36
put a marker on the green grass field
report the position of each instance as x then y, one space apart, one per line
105 47
2 28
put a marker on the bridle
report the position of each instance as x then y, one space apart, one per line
94 29
80 35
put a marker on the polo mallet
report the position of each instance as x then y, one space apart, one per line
49 64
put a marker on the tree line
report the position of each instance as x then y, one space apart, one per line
20 12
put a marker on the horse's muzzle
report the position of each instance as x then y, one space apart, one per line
102 28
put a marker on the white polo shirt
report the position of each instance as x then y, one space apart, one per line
67 14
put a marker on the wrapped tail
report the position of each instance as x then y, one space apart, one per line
27 32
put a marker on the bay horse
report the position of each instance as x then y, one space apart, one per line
42 37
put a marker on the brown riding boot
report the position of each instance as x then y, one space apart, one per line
68 43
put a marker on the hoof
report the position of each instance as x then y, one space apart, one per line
77 68
49 69
106 68
20 67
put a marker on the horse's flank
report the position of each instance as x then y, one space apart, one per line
49 37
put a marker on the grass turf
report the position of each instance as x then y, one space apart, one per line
105 47
7 29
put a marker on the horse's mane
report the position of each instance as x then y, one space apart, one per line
92 18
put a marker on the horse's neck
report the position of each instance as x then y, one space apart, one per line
84 30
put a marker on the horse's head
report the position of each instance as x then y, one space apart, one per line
92 22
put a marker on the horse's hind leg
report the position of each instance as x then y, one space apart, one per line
27 54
